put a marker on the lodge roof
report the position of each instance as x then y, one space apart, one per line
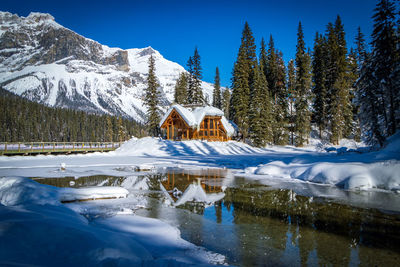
193 117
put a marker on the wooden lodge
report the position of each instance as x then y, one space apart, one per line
204 123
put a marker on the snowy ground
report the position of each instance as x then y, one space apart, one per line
346 167
124 238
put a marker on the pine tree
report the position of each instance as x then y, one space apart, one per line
263 57
352 76
291 87
109 130
195 93
242 80
337 84
217 90
370 105
152 100
378 87
319 63
386 63
240 99
121 130
280 129
260 110
190 90
303 87
181 88
272 69
226 97
361 52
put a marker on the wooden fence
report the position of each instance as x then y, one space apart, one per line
30 148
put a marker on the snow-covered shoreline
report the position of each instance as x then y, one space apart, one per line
341 167
38 230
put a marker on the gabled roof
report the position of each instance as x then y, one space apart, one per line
194 117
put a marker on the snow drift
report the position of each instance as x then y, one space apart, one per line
36 229
149 146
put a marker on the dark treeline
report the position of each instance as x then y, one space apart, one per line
341 92
24 121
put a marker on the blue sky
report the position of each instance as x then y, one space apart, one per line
175 27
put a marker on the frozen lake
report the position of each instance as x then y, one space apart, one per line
257 223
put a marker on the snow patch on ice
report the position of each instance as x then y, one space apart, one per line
18 190
95 192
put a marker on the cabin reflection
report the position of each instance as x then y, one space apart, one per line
210 180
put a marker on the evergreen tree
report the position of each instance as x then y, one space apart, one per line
303 87
339 110
378 86
152 100
280 109
190 90
181 88
195 93
109 130
242 80
291 86
217 90
260 110
272 69
352 76
370 105
263 57
121 130
226 96
361 52
319 63
386 63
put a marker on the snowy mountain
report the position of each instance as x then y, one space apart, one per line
48 63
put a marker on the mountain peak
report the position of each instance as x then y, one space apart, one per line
147 51
48 63
37 16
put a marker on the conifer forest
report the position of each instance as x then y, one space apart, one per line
26 121
338 91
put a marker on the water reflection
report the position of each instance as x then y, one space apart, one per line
255 224
94 180
210 180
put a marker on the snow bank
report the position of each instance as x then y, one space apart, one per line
360 171
18 190
162 240
352 175
149 146
37 230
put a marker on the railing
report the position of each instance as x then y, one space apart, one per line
29 148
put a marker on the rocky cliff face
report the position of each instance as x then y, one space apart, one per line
45 62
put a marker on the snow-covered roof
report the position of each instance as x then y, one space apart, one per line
194 117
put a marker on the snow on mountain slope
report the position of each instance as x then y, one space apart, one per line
47 63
